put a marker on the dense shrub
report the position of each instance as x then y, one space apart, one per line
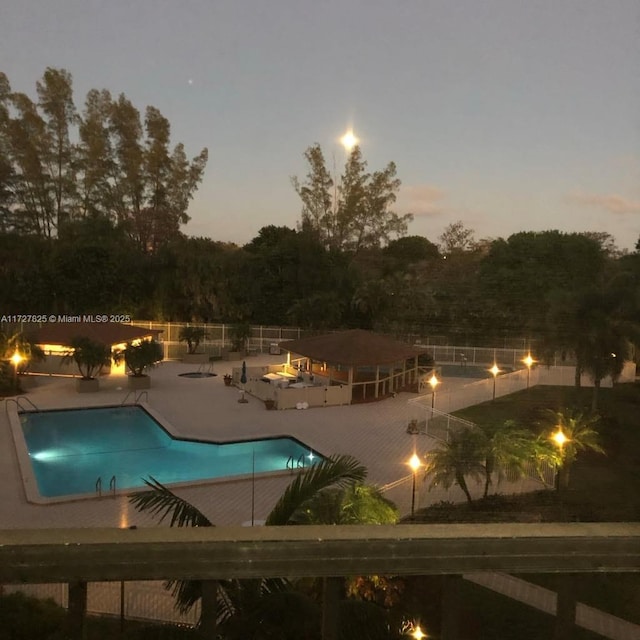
26 618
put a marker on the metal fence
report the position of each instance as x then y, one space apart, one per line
483 356
439 424
139 600
218 337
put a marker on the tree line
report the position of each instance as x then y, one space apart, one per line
93 204
60 164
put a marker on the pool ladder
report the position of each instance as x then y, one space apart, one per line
292 463
206 367
19 406
137 397
112 486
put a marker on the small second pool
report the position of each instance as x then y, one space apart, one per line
70 449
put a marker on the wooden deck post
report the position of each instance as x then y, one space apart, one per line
451 607
331 591
209 610
565 608
77 611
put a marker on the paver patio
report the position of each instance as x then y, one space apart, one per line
204 408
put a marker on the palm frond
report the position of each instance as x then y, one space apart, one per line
185 592
162 502
335 471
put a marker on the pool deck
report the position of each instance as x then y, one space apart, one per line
374 433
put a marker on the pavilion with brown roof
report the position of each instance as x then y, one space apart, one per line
55 339
374 366
110 333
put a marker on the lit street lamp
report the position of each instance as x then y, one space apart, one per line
418 634
559 439
413 630
495 371
349 140
434 382
16 358
528 362
415 464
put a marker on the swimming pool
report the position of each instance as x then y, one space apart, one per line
76 451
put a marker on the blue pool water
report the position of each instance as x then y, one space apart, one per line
70 449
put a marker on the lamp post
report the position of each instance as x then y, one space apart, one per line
413 630
495 371
528 362
434 382
349 140
415 464
418 634
16 359
559 439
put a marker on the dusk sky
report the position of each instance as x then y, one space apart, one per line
509 115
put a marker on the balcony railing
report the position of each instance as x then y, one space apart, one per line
78 556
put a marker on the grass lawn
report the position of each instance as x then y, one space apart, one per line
603 488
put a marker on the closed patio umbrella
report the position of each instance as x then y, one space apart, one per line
243 381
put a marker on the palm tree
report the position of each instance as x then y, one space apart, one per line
604 342
140 357
89 355
578 434
505 447
192 336
354 504
236 597
458 458
593 326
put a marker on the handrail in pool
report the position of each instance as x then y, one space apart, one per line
99 486
112 485
136 398
18 405
206 368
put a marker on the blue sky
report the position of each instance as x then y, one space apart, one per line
509 115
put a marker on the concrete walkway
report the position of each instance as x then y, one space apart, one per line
374 433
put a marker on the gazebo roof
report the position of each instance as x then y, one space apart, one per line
355 347
109 333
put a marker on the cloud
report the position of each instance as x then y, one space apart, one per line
612 203
423 200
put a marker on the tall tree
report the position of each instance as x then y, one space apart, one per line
55 100
456 238
118 168
289 274
596 326
96 160
126 130
318 213
192 278
358 214
34 193
7 173
95 267
520 275
602 342
153 186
